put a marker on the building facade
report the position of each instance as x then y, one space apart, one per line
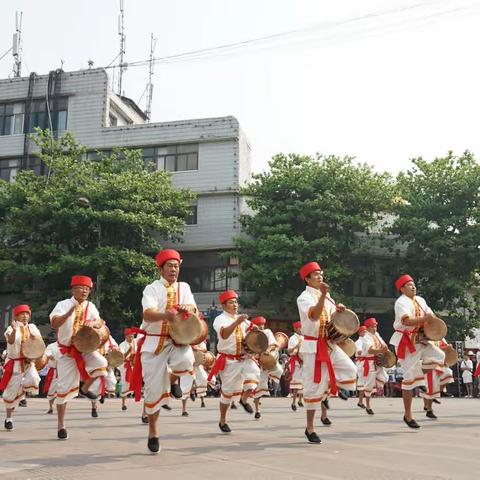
210 156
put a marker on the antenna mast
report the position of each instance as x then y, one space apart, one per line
17 45
148 111
121 33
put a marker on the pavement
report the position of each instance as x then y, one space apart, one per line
355 446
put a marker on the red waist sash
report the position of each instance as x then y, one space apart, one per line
8 372
366 364
72 352
322 356
220 363
405 343
48 379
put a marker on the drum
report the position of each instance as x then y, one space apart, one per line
40 362
115 358
435 328
342 325
208 360
267 361
33 348
451 356
199 358
91 338
348 346
386 359
187 329
281 339
255 341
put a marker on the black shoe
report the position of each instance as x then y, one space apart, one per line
246 406
166 407
184 414
224 428
294 407
411 423
192 397
8 425
257 415
436 401
446 394
89 394
22 403
312 437
49 411
202 405
326 421
300 403
369 411
425 409
233 406
342 395
102 399
145 419
62 434
153 444
431 415
326 404
175 390
361 405
124 407
94 413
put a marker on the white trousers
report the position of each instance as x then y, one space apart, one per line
156 373
110 382
200 377
20 383
296 383
345 376
368 383
237 376
262 387
68 380
425 357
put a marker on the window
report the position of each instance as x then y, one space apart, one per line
9 168
192 215
173 158
41 117
12 118
113 120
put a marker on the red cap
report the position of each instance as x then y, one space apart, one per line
226 296
258 321
308 268
20 309
401 281
167 254
82 281
362 328
370 322
297 324
128 331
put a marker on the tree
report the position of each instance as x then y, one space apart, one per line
101 218
307 209
438 218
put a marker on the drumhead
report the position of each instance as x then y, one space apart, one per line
33 348
185 331
256 341
346 322
114 358
267 361
435 329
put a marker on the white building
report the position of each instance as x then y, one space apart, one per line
211 156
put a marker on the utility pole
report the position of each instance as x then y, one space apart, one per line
148 111
121 33
17 45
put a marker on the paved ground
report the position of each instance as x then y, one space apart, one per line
355 447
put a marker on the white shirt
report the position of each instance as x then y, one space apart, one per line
53 351
405 307
294 340
270 336
467 374
359 347
308 299
369 341
201 347
14 350
155 297
65 332
125 347
228 345
110 344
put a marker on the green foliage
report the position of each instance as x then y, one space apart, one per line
307 209
101 218
439 220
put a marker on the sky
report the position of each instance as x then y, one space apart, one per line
379 81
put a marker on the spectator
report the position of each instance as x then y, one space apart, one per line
466 367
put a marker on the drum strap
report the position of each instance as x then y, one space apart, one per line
322 356
405 342
8 372
72 352
221 363
366 364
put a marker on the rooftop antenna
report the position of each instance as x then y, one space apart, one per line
17 45
121 33
148 111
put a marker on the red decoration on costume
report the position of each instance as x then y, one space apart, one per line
370 322
7 374
220 364
297 324
72 352
167 254
308 268
48 379
21 309
405 342
401 281
322 356
81 281
227 295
